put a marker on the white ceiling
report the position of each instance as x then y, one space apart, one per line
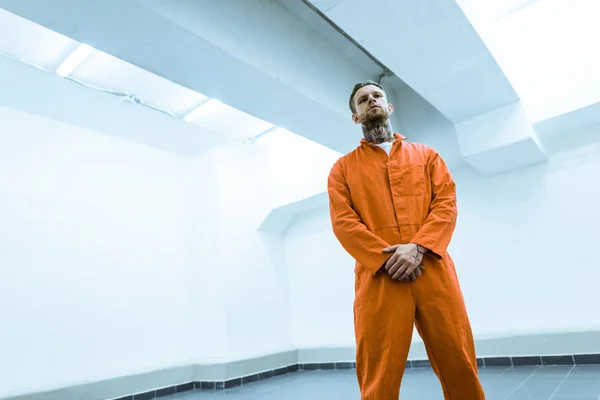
471 56
32 43
24 40
342 44
220 117
105 71
433 48
326 5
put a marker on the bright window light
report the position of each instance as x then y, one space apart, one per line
549 53
74 60
546 48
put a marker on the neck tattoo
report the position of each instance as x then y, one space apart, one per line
379 132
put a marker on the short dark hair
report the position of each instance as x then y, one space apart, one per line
357 87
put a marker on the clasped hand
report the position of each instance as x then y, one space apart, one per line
405 263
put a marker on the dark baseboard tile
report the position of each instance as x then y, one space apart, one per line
579 359
531 360
158 393
418 364
497 362
326 366
586 359
558 360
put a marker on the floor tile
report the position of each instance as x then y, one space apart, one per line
555 382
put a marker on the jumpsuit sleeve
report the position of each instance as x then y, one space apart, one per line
354 236
436 232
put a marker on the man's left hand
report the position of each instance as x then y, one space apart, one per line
405 260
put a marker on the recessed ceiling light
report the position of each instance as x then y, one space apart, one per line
73 61
269 131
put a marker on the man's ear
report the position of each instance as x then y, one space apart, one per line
355 118
390 108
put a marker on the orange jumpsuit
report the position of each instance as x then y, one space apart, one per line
377 201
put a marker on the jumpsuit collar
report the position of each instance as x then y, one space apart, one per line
398 137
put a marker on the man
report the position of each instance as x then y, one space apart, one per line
393 208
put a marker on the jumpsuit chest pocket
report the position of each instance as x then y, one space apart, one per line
407 179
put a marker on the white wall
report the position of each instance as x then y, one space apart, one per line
119 258
321 284
523 247
204 277
252 180
254 289
92 256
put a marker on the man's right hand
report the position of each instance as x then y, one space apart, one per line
417 273
405 263
413 276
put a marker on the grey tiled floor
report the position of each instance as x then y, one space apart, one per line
515 383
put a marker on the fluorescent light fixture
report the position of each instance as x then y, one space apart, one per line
73 61
267 132
196 112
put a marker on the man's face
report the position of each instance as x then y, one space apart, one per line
371 106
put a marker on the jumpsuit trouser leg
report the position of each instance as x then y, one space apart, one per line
443 324
385 313
384 318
